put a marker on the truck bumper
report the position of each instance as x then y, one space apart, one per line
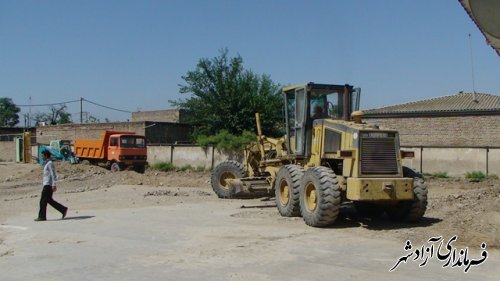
371 189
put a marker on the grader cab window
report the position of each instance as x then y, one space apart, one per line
324 104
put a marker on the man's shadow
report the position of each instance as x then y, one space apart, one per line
78 218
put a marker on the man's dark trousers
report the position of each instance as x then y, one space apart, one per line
47 199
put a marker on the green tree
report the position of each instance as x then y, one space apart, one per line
8 113
225 96
93 119
57 115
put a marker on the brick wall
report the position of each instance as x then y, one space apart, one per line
84 131
453 131
7 151
155 132
168 115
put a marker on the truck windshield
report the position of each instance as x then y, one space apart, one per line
132 141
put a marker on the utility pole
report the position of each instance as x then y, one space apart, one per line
29 115
81 110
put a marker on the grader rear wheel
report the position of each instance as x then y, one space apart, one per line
411 211
319 197
226 170
287 189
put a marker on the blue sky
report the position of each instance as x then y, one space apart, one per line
131 55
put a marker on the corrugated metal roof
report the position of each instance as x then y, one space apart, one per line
459 103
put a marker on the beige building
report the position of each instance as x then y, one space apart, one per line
456 134
167 115
461 120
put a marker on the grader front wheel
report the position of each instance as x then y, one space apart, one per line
287 189
226 170
319 197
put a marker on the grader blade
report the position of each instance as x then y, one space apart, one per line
248 187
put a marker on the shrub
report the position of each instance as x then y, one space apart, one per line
166 166
475 176
163 166
184 168
226 141
493 177
200 169
440 175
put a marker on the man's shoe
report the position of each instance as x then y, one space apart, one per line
40 219
64 213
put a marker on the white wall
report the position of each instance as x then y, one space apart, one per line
455 161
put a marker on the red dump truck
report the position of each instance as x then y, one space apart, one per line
116 150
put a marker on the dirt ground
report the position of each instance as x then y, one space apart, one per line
456 206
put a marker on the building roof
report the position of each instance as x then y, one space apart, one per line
459 104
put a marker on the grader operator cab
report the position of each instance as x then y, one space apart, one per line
328 156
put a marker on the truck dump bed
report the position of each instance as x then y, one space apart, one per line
95 148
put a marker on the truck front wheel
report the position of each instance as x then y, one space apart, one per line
115 167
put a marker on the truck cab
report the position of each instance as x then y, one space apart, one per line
117 150
126 150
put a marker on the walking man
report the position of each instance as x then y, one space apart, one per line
49 187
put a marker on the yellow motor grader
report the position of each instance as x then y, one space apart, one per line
328 156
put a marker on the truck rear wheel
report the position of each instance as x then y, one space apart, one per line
229 169
413 210
140 168
287 190
319 197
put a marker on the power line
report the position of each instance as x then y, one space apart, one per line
47 104
73 101
94 103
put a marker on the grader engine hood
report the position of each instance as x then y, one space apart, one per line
375 152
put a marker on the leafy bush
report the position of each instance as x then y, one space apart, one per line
163 166
475 176
440 175
200 169
166 167
184 168
493 177
226 141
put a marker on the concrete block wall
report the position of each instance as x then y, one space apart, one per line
7 151
168 115
155 132
458 131
455 161
84 131
182 155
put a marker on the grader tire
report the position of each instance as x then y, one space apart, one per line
320 197
226 170
411 211
287 190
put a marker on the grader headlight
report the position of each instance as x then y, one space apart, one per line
407 154
346 154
